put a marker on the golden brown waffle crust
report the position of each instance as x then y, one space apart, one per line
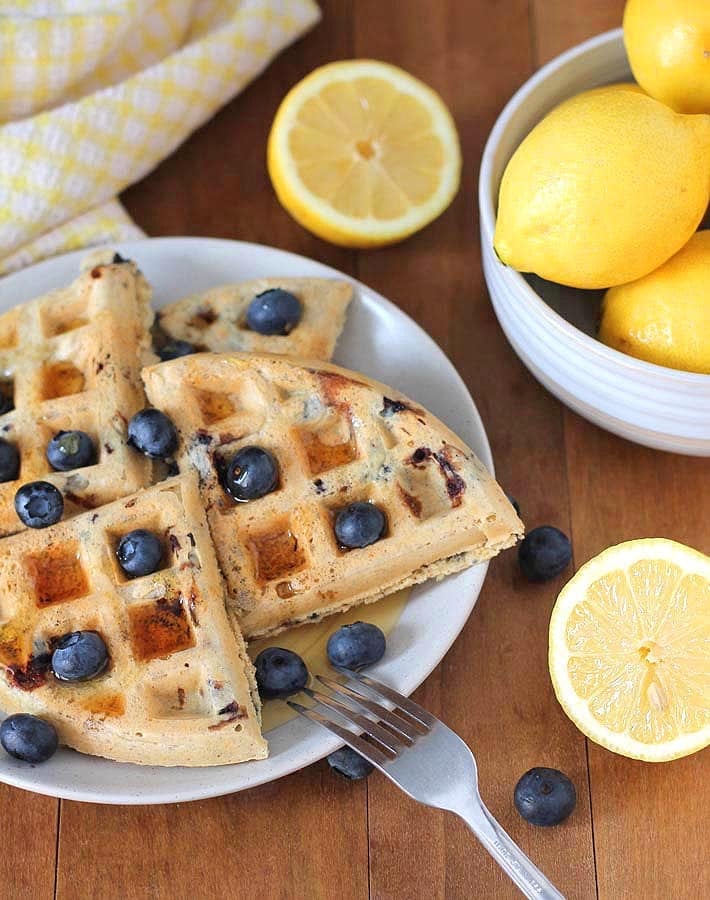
73 358
215 320
180 688
338 437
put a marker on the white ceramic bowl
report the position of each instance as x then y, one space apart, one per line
552 328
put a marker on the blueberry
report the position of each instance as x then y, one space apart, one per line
544 553
70 450
28 738
356 646
175 349
118 259
279 673
274 312
7 402
139 552
252 473
350 764
152 432
544 796
9 461
514 503
39 504
359 525
79 656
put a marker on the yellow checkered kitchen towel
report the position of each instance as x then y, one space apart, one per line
94 93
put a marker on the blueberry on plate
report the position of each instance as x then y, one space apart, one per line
39 504
175 349
79 656
356 646
28 738
544 553
544 796
139 552
9 461
70 450
274 312
359 525
350 764
152 432
279 673
252 473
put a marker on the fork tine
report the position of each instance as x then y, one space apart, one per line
371 753
402 726
372 729
409 706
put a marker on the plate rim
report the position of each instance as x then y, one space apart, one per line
18 774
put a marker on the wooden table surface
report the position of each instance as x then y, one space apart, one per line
639 830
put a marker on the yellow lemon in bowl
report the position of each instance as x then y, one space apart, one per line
629 649
363 154
606 188
668 45
664 317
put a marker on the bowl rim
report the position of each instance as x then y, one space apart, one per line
487 213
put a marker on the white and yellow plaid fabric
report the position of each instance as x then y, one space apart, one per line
94 93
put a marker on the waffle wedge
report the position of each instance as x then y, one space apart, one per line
71 360
338 437
179 687
216 320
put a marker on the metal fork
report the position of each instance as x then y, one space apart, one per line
423 757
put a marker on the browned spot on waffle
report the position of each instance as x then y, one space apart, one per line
455 485
109 705
334 384
276 553
213 406
181 698
14 645
87 501
32 675
61 379
419 457
57 575
411 501
159 629
203 318
96 272
323 456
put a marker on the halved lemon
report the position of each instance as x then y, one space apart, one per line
363 154
630 649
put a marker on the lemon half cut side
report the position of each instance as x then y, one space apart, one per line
629 650
363 154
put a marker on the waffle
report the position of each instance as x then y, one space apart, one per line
179 688
215 320
71 360
338 437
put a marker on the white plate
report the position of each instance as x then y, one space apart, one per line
380 340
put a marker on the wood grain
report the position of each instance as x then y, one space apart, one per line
312 835
28 855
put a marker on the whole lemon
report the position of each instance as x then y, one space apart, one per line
606 188
668 44
664 317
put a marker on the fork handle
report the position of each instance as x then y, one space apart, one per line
519 868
